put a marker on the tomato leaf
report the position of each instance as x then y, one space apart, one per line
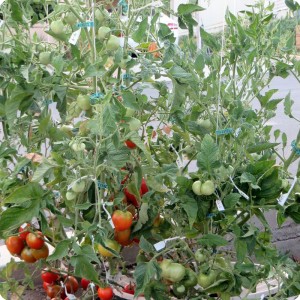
144 273
15 216
156 290
42 171
84 268
258 147
241 249
25 193
212 240
184 9
208 158
190 206
138 35
61 250
146 246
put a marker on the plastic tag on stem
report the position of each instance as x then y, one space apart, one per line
283 198
162 244
75 36
109 216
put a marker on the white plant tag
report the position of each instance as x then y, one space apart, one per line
109 216
75 36
283 198
50 69
1 23
220 205
162 244
240 192
1 1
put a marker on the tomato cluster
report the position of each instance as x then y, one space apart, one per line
51 284
28 245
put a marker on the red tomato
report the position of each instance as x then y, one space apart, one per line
144 188
105 293
27 256
122 220
123 237
53 291
49 277
129 289
136 240
14 245
71 284
40 253
85 283
35 240
23 231
131 198
130 144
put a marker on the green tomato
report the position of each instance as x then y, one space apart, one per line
134 124
57 27
83 101
284 184
77 147
113 43
200 256
164 265
99 15
129 112
196 187
190 278
207 188
70 19
70 195
297 187
205 124
172 271
78 186
205 280
45 58
103 32
179 290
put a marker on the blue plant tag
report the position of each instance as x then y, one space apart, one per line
224 131
96 96
295 148
85 24
127 76
102 185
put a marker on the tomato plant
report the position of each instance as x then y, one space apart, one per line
106 120
50 277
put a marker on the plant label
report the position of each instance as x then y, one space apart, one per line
220 205
239 191
283 198
74 37
1 21
160 245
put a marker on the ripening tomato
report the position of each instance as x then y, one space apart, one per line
123 237
71 284
153 47
122 220
53 291
23 231
27 256
35 240
105 293
40 253
130 144
49 277
84 283
45 285
14 245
